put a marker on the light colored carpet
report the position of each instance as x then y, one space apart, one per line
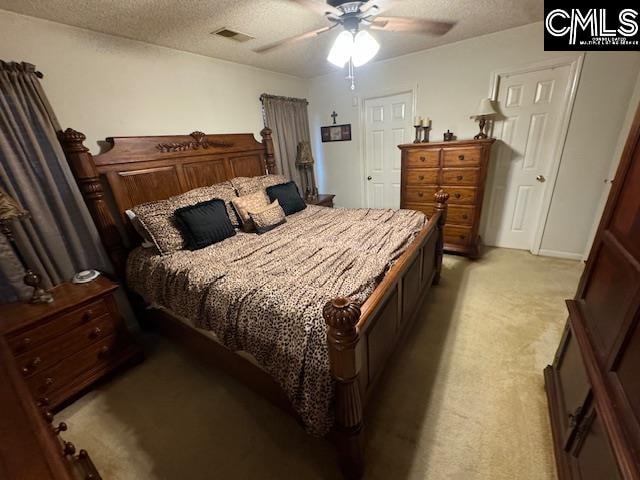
463 400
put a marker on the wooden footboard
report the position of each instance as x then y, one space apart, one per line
360 339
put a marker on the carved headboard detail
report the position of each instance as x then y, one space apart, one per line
136 170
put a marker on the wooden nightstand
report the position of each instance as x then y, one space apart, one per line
323 200
63 347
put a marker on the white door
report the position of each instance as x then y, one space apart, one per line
387 124
532 105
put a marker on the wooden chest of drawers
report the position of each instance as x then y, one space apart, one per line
63 347
460 169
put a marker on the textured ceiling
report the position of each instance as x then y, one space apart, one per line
186 25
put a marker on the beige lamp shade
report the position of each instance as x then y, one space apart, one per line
485 109
9 208
304 156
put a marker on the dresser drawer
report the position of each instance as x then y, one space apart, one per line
461 195
65 345
461 157
27 340
66 371
460 215
421 177
460 176
457 235
422 158
420 194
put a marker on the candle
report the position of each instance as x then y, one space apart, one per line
417 121
427 121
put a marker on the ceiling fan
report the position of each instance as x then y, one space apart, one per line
355 46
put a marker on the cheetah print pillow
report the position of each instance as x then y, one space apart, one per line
159 221
252 202
247 185
268 217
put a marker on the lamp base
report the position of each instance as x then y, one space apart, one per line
480 136
40 295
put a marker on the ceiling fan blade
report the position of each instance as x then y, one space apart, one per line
318 6
379 4
411 25
292 40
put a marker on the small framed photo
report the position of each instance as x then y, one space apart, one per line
336 133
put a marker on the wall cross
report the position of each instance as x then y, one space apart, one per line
334 115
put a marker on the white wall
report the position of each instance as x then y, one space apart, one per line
449 81
107 86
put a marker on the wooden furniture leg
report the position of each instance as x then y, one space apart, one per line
341 316
441 206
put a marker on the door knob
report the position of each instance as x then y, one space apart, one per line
541 178
369 178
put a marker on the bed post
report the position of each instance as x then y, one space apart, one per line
441 206
88 178
341 316
270 158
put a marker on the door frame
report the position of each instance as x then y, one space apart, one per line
575 62
362 117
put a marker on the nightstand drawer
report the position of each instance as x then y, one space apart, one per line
461 157
65 372
423 158
421 177
457 235
65 345
420 194
461 195
26 340
460 176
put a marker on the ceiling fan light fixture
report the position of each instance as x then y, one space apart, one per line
365 47
342 49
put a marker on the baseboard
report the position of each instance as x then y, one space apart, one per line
559 254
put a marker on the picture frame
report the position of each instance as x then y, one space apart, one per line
336 133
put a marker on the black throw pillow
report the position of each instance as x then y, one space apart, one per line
288 197
204 223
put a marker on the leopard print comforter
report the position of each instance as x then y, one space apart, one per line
264 293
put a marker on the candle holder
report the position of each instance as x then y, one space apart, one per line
418 133
422 133
425 134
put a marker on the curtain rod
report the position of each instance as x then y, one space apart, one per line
277 97
20 67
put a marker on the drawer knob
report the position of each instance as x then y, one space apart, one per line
95 333
459 177
24 344
460 157
48 416
462 237
422 159
42 402
31 366
62 427
69 448
87 315
104 351
49 381
457 195
465 216
420 177
420 194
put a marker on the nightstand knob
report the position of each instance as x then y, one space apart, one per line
459 177
62 427
87 315
69 448
95 333
460 157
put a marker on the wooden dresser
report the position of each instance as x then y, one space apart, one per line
62 347
460 169
593 386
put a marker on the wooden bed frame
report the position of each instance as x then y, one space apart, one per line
360 338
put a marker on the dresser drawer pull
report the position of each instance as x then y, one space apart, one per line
465 216
95 333
62 427
457 195
420 177
462 237
420 194
42 402
460 157
422 159
459 177
104 351
87 315
48 382
69 448
48 416
24 344
31 366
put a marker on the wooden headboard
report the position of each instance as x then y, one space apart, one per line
136 170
